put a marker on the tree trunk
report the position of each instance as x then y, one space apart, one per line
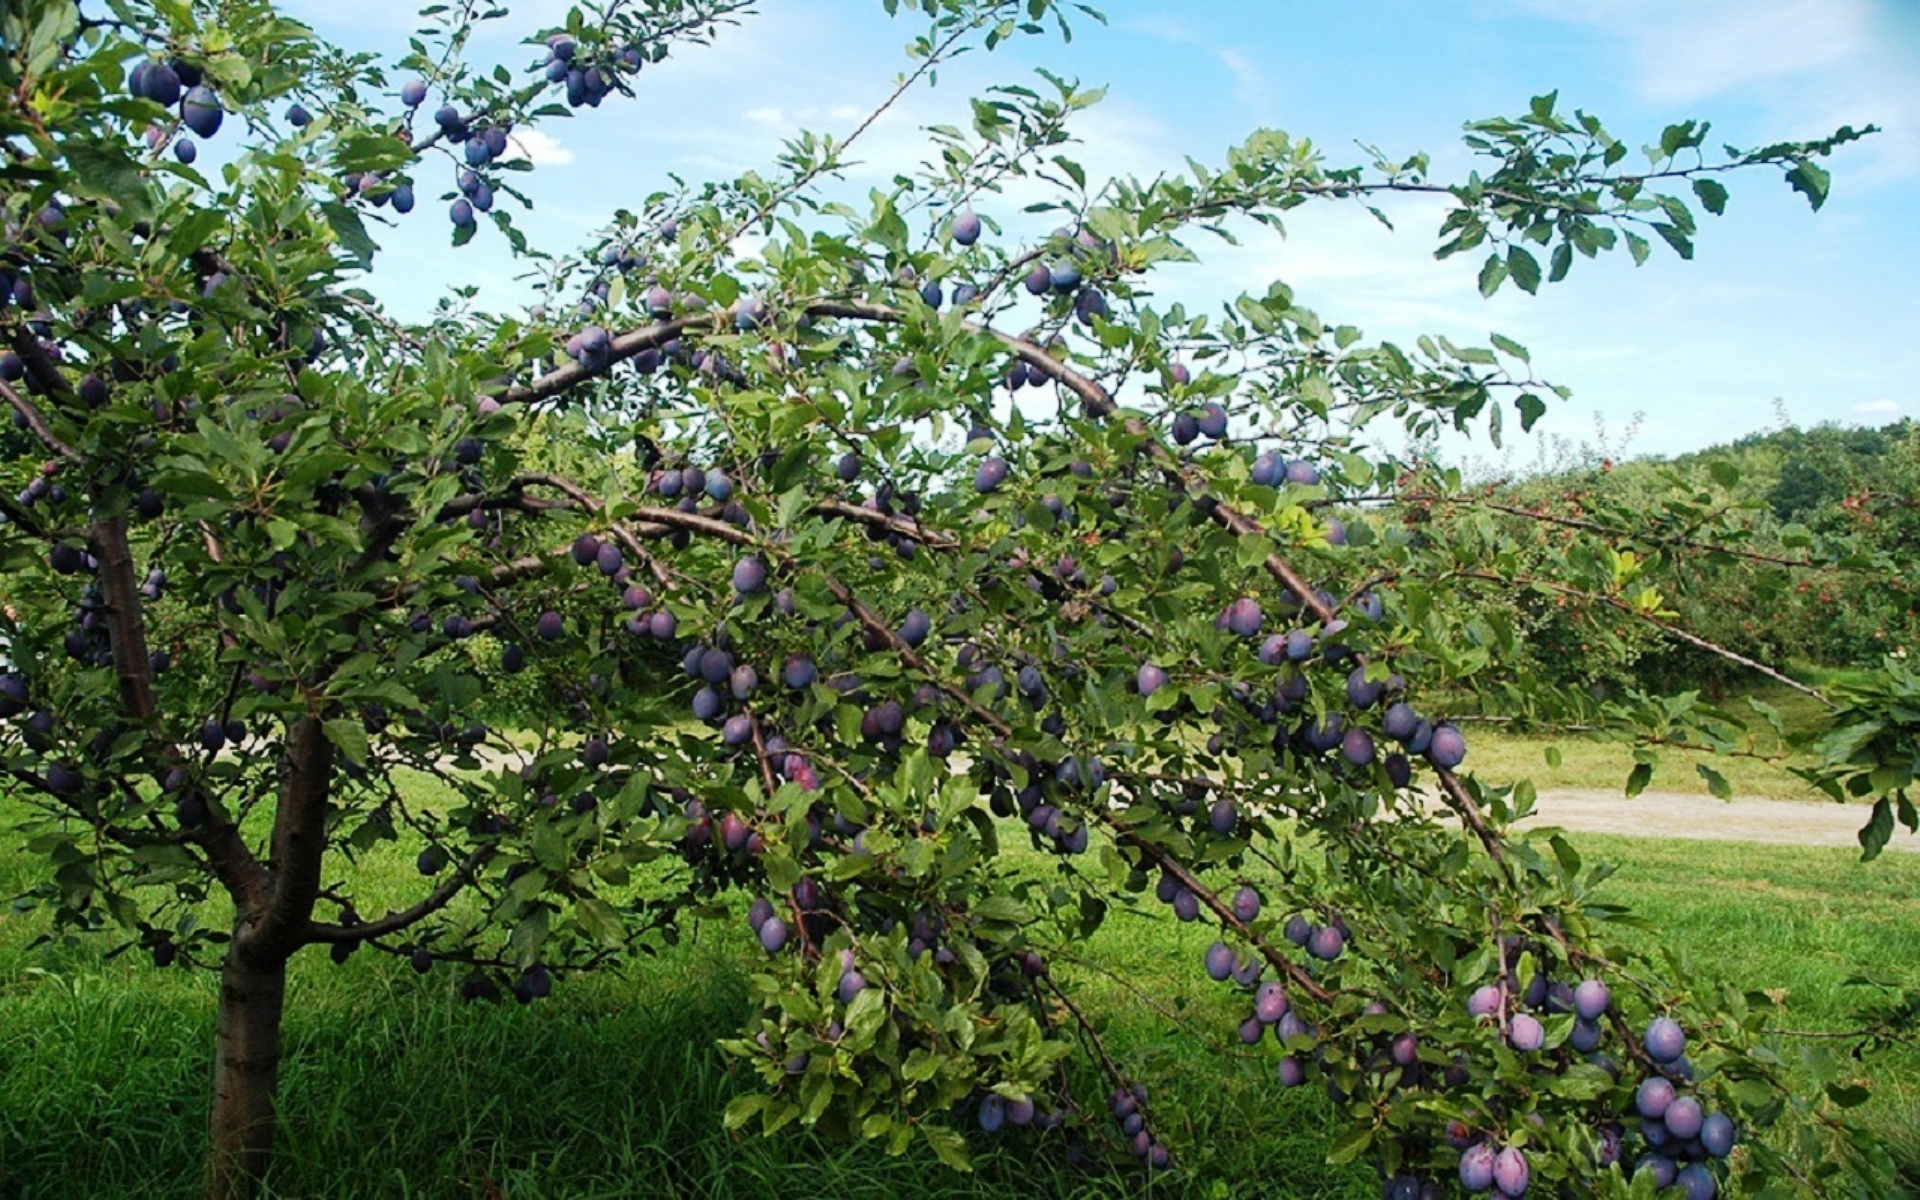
246 1073
253 979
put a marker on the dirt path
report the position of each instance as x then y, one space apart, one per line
1669 814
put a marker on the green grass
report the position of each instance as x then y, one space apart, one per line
614 1088
1500 755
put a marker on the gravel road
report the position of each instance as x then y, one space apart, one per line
1675 814
1669 814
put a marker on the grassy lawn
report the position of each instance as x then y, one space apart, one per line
614 1088
1501 755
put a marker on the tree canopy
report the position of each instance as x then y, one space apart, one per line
787 558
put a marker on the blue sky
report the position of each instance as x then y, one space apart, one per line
1816 311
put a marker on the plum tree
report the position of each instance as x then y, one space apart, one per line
249 506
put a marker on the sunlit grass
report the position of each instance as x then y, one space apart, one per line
1502 755
614 1086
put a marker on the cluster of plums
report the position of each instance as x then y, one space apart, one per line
1128 1106
481 145
995 1112
1210 420
1063 276
89 642
483 141
767 926
1441 744
587 83
726 682
1270 470
37 731
1324 942
174 82
1054 826
1679 1134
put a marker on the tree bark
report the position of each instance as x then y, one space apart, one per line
253 978
246 1072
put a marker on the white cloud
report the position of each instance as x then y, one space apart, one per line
1249 82
770 115
539 147
1687 54
1251 86
1877 408
1816 64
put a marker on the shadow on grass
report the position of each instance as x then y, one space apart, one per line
612 1089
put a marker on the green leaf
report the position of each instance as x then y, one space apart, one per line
1713 197
1716 782
778 1115
1637 246
1350 1145
1524 268
866 1013
1810 181
1639 778
350 736
921 1065
1492 274
1532 408
816 1092
352 232
529 935
742 1109
1877 831
1568 857
1511 348
1000 908
1681 243
947 1146
1848 1095
1562 262
108 175
599 921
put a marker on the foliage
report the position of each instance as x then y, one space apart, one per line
819 552
1822 519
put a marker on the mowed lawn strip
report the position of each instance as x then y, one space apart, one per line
1499 753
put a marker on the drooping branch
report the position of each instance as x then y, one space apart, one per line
1693 639
1174 867
899 526
1462 802
1088 1032
880 629
399 919
623 347
1613 531
37 422
1096 402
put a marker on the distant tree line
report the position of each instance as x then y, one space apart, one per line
1724 536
